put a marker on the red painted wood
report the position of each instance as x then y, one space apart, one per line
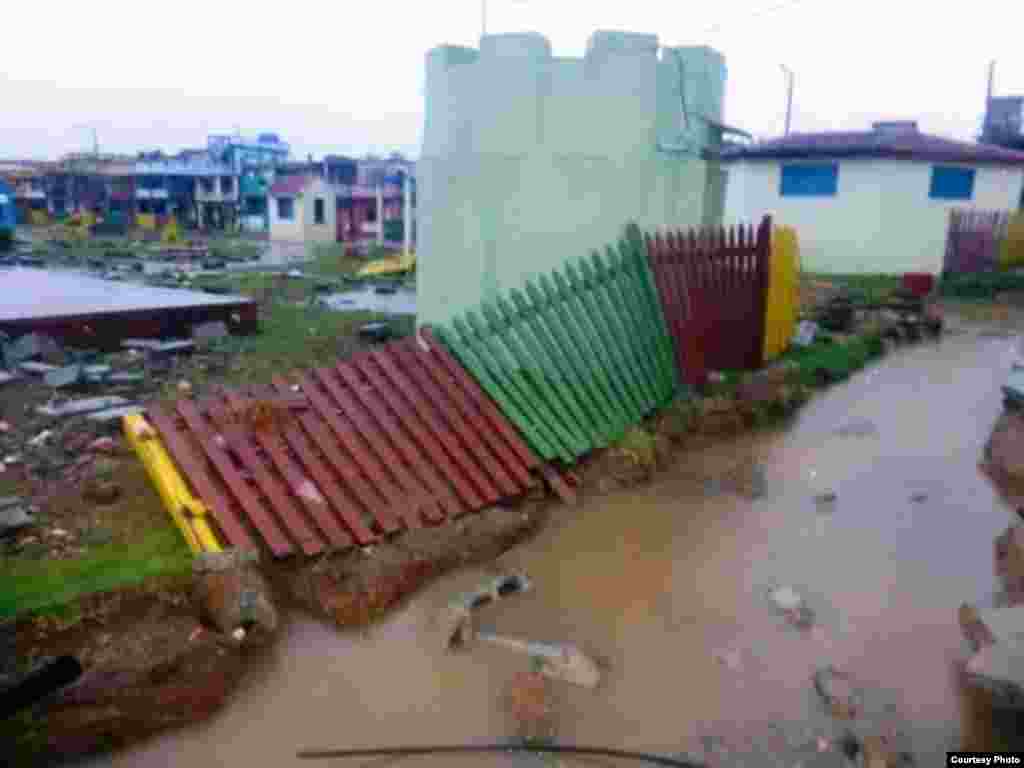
295 477
415 499
419 475
452 416
252 506
495 418
194 468
378 483
344 507
442 380
464 474
263 475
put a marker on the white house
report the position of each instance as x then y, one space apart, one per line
870 201
303 209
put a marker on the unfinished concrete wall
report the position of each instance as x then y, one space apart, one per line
529 160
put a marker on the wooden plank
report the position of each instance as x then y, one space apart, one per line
548 381
253 507
498 422
194 470
575 341
337 498
295 478
350 459
513 376
262 473
415 502
429 410
504 391
557 337
510 472
420 475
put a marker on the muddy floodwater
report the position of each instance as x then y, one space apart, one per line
667 584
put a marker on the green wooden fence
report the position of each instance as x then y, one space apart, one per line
576 357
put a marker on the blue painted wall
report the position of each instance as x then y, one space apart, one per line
8 212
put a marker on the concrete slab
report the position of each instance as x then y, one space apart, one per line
31 293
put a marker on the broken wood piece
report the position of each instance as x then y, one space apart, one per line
37 368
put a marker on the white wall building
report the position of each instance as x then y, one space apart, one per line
870 201
303 209
531 160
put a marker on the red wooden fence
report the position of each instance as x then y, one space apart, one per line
399 437
973 239
713 286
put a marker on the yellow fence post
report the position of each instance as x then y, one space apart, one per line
783 292
189 513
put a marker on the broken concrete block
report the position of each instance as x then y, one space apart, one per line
63 377
215 329
112 414
839 693
14 518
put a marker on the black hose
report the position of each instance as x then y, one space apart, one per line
450 749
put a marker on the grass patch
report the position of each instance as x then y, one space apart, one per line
333 260
980 286
871 287
829 359
292 336
50 586
140 543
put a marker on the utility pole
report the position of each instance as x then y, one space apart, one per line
789 95
986 127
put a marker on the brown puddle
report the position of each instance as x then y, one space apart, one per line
658 580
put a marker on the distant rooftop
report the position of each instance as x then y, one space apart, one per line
892 139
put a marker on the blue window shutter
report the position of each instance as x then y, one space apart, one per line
806 180
951 183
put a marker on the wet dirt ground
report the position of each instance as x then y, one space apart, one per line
659 580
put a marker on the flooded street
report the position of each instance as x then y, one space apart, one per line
660 580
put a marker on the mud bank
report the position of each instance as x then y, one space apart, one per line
356 588
149 664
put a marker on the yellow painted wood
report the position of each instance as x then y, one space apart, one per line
389 265
189 513
783 302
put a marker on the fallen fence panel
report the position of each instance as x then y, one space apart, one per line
398 437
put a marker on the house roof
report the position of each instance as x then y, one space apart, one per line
901 141
286 186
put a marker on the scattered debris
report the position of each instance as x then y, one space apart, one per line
558 662
204 332
41 438
456 620
82 406
37 368
375 331
730 658
103 445
839 693
14 516
792 606
806 332
857 428
529 701
111 414
63 377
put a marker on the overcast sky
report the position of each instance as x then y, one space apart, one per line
348 77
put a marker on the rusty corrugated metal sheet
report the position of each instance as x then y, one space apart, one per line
399 437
